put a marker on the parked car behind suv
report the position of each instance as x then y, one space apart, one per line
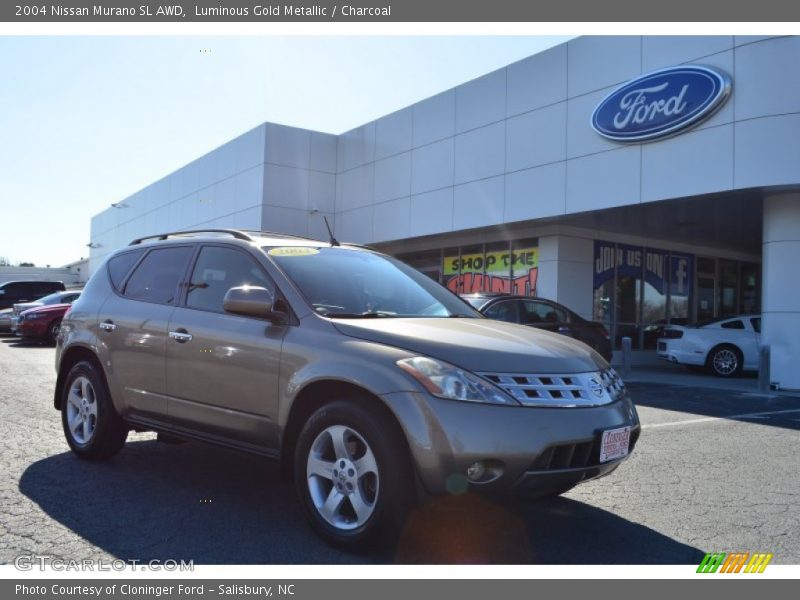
368 381
13 292
67 297
724 347
544 314
41 323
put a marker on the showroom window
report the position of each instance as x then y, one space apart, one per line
638 289
499 267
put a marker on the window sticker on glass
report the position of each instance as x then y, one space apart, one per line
293 251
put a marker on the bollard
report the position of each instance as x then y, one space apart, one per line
626 357
763 369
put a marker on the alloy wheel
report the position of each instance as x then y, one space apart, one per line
725 361
343 478
81 410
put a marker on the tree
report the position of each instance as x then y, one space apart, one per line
4 262
26 264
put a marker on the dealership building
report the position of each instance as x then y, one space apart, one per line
634 179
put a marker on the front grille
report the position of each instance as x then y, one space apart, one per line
574 456
566 390
567 456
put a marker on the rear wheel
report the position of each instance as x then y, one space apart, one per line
353 475
725 361
93 428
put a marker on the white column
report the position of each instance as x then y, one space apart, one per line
780 290
565 272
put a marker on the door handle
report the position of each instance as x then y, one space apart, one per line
181 336
108 325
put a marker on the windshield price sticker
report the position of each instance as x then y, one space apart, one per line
293 251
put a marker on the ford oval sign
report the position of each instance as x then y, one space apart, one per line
661 103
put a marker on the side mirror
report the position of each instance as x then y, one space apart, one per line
250 301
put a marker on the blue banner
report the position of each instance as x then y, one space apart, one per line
658 268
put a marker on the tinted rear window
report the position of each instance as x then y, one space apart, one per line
157 276
120 265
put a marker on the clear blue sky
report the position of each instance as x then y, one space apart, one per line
87 121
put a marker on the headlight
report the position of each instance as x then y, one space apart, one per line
444 380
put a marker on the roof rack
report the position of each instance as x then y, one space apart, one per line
262 232
239 235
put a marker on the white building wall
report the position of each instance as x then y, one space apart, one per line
299 181
566 271
223 188
516 145
781 292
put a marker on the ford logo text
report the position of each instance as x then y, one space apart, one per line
661 104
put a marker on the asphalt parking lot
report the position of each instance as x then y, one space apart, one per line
714 470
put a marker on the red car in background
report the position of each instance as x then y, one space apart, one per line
42 322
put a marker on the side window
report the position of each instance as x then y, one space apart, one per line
756 323
157 277
503 311
69 298
541 312
119 265
218 270
733 325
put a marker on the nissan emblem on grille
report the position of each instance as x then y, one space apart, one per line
596 387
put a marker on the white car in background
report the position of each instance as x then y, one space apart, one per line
725 347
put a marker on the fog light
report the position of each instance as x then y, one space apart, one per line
476 471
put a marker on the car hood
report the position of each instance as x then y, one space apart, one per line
479 344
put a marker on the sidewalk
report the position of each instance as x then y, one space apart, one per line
646 367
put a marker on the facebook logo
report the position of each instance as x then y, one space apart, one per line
681 274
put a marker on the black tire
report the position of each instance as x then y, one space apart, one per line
52 331
391 490
107 432
724 360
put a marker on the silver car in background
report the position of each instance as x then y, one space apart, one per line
370 383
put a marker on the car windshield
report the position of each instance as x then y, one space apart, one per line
342 282
476 302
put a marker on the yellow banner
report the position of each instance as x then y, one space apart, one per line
523 260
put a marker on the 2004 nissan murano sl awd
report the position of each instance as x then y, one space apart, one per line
371 383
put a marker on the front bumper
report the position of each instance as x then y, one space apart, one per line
527 449
34 328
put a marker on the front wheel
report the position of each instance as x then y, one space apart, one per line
93 429
353 475
52 331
